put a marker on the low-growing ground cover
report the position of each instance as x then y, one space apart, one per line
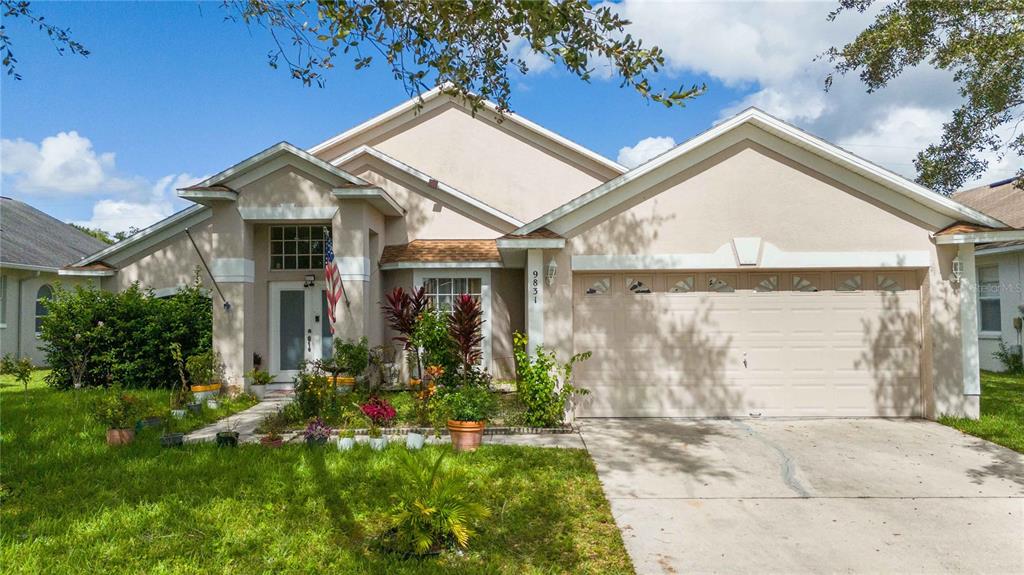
71 504
1002 411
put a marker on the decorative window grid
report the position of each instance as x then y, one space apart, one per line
297 247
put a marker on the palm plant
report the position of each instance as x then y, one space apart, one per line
437 510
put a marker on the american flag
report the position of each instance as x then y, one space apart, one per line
335 290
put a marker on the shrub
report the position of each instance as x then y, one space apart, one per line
1012 360
538 380
467 403
437 509
352 357
465 328
315 395
259 377
379 411
20 368
117 409
94 337
438 349
205 368
403 310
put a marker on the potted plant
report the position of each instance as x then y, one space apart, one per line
346 439
228 437
468 407
274 426
317 432
380 413
258 381
171 438
118 411
415 440
206 372
350 360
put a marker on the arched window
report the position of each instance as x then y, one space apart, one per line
45 292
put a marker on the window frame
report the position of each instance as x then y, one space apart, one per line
36 316
3 301
420 275
996 297
271 243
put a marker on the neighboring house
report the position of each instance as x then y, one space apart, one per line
33 248
754 269
1000 270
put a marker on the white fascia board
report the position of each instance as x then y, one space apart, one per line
530 243
439 265
453 198
784 131
285 213
271 153
985 251
27 267
200 196
437 95
86 273
376 196
154 234
981 237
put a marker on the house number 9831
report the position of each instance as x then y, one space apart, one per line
535 285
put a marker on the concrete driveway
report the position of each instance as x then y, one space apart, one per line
810 496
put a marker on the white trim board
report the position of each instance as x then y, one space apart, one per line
278 150
286 213
772 258
233 270
981 237
530 243
440 265
375 196
454 199
86 273
436 97
903 194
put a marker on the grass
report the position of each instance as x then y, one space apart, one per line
71 504
1002 411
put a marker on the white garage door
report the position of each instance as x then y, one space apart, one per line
800 343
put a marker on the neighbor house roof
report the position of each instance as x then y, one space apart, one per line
441 251
31 239
1002 200
595 206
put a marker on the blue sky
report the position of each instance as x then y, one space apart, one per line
172 91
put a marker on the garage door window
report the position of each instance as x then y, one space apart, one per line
638 285
989 310
722 283
599 286
805 283
682 284
889 283
849 282
766 283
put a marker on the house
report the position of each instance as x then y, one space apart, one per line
33 248
753 270
1000 270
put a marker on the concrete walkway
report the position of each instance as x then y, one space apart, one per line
244 422
810 496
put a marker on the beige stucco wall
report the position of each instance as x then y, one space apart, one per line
486 160
169 264
508 301
1011 286
750 191
18 336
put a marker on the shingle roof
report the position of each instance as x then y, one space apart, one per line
33 238
442 251
1002 200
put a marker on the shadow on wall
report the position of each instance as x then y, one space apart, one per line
892 354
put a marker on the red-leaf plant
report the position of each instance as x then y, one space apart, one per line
402 310
465 326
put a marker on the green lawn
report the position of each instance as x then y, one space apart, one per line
70 504
1002 411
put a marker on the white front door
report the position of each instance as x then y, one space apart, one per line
299 329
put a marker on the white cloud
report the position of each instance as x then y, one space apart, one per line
66 166
770 50
60 165
632 156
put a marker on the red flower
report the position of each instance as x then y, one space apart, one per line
378 410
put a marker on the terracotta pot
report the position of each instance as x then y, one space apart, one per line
466 435
272 442
414 382
120 436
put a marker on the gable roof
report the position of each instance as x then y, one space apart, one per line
456 200
410 109
32 239
148 237
215 184
599 201
1002 200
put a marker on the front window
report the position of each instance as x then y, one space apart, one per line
45 293
441 292
297 247
989 310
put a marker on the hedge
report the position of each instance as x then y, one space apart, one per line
100 338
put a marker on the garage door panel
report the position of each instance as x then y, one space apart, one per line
774 353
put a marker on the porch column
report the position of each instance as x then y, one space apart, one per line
969 332
351 251
534 299
230 258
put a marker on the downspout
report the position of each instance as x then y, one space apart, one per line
227 305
